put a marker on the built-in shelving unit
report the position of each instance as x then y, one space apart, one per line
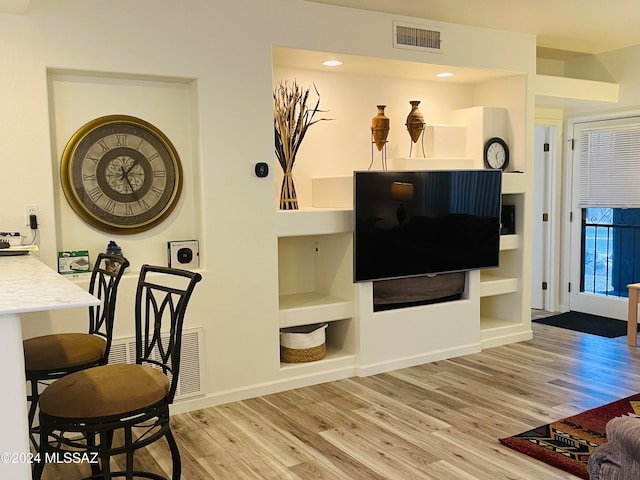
315 255
501 289
315 279
315 246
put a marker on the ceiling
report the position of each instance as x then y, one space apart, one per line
16 7
568 26
563 27
312 60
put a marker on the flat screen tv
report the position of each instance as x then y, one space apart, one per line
425 222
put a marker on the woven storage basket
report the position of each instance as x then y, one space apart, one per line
306 343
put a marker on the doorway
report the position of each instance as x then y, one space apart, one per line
605 227
546 214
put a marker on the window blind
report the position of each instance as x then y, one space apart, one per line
609 167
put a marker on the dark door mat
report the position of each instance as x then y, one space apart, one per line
587 323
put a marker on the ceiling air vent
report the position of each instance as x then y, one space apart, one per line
416 37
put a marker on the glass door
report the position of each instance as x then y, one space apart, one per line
605 231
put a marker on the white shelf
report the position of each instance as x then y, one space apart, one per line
312 307
553 91
509 242
313 221
336 358
491 323
495 332
431 164
513 182
336 193
494 285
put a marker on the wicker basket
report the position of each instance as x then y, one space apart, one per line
306 343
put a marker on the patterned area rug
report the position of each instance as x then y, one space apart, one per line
567 443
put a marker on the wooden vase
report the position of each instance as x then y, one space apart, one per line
380 128
415 121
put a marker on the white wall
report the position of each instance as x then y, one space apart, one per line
623 68
343 144
222 51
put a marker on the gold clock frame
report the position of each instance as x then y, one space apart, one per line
74 198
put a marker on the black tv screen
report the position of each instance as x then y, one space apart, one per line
425 222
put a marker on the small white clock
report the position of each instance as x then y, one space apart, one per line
496 154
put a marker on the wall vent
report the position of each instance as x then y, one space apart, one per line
417 37
123 350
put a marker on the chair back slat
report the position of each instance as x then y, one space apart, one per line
105 278
161 302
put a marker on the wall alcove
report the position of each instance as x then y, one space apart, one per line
76 98
491 307
415 291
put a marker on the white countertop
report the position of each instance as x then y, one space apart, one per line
28 285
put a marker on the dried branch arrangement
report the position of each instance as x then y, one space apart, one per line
292 116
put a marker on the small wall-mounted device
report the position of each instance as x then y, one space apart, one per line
183 254
261 169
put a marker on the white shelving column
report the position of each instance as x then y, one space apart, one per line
315 282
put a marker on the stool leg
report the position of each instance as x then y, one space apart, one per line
96 468
38 467
33 406
175 455
632 318
128 441
106 439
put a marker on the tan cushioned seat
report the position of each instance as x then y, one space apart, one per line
62 351
104 391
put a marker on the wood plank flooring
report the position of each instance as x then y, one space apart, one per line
438 421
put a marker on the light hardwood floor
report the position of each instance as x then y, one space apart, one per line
438 421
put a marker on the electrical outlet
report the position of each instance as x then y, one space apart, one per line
29 210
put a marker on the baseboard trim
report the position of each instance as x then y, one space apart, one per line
507 339
305 380
412 361
258 390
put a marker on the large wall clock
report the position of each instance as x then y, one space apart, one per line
121 174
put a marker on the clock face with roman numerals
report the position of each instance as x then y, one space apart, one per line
121 174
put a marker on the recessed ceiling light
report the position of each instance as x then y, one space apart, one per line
332 63
445 74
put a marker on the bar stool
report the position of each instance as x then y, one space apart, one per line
50 357
117 409
632 317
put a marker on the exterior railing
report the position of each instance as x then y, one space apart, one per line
610 251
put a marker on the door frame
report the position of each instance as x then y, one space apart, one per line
567 199
552 118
